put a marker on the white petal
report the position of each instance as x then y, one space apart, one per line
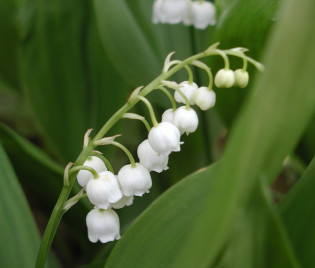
173 11
124 201
150 159
104 190
102 225
156 11
168 116
205 98
94 162
164 138
203 14
189 91
186 119
134 180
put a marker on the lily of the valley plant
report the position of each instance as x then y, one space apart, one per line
108 190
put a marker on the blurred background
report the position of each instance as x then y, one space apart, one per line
66 66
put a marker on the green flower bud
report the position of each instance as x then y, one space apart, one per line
241 78
224 78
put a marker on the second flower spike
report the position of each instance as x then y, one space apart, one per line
170 11
202 14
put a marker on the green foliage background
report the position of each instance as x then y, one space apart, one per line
66 66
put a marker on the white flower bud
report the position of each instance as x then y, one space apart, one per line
241 78
102 225
169 11
168 116
134 180
150 159
94 162
186 120
205 98
203 14
224 78
165 138
124 201
189 91
104 190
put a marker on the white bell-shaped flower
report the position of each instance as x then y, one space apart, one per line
168 116
157 5
134 180
189 91
169 11
241 78
124 201
186 120
165 138
104 190
94 162
224 78
203 14
150 159
205 98
102 225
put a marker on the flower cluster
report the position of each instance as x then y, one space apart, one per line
107 190
198 13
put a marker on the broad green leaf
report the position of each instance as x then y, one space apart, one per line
297 211
268 129
160 232
126 43
109 90
53 70
70 82
15 112
258 238
19 237
241 23
136 46
8 44
32 165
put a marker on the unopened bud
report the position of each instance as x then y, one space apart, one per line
241 78
224 78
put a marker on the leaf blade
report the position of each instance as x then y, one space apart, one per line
297 212
17 227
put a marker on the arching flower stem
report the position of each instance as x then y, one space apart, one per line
127 152
150 108
169 95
